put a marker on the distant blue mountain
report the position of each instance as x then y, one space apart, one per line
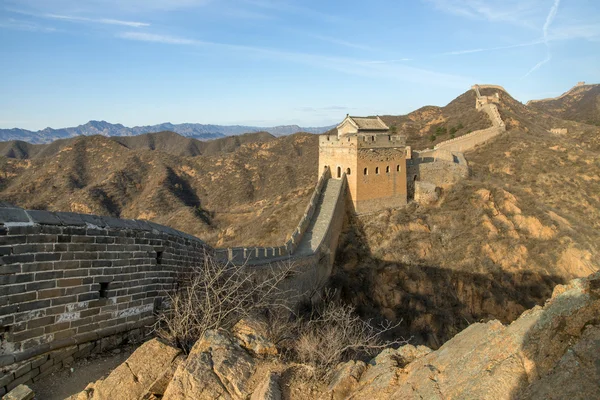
197 131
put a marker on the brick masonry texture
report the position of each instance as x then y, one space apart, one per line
69 279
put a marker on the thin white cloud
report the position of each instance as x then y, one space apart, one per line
480 50
545 30
156 38
107 21
368 68
518 12
341 42
21 25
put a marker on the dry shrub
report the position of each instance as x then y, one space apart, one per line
217 295
335 334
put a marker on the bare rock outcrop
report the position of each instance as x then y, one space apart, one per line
217 367
549 352
140 377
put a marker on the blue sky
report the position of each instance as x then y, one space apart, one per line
271 62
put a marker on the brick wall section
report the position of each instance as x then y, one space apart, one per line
254 255
68 279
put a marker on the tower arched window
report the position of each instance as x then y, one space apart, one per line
339 172
376 170
366 171
387 169
398 168
348 172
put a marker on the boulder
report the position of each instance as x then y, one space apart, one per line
268 389
21 392
135 377
217 367
549 352
252 337
345 379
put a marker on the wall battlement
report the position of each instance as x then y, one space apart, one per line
362 141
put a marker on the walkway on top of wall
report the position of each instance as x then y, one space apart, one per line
313 237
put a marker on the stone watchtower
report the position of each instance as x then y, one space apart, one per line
373 159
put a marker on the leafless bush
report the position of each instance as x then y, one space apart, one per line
217 295
335 334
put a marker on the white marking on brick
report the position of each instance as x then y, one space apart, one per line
70 316
77 306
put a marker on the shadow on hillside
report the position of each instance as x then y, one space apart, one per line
187 195
433 303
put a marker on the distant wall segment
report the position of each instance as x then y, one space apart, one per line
71 283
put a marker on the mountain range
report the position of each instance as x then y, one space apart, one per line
196 131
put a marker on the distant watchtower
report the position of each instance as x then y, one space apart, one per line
373 159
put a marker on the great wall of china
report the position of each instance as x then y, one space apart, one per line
579 85
73 284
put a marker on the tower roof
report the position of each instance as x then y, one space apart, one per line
366 123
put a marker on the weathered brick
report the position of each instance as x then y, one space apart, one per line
61 326
63 353
105 240
88 296
11 240
90 312
11 289
34 305
79 289
69 282
37 267
47 364
23 379
18 258
51 230
22 370
67 333
76 273
67 264
21 336
54 310
50 370
47 275
41 285
82 255
38 361
9 269
50 293
21 298
88 328
82 239
64 300
47 257
42 238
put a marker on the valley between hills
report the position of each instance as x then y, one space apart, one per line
493 246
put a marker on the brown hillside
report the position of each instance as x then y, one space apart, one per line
254 195
494 245
581 104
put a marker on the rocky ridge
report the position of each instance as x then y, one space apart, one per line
549 352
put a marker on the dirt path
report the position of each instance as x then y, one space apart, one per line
70 381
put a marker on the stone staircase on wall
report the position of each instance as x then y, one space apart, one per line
319 225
